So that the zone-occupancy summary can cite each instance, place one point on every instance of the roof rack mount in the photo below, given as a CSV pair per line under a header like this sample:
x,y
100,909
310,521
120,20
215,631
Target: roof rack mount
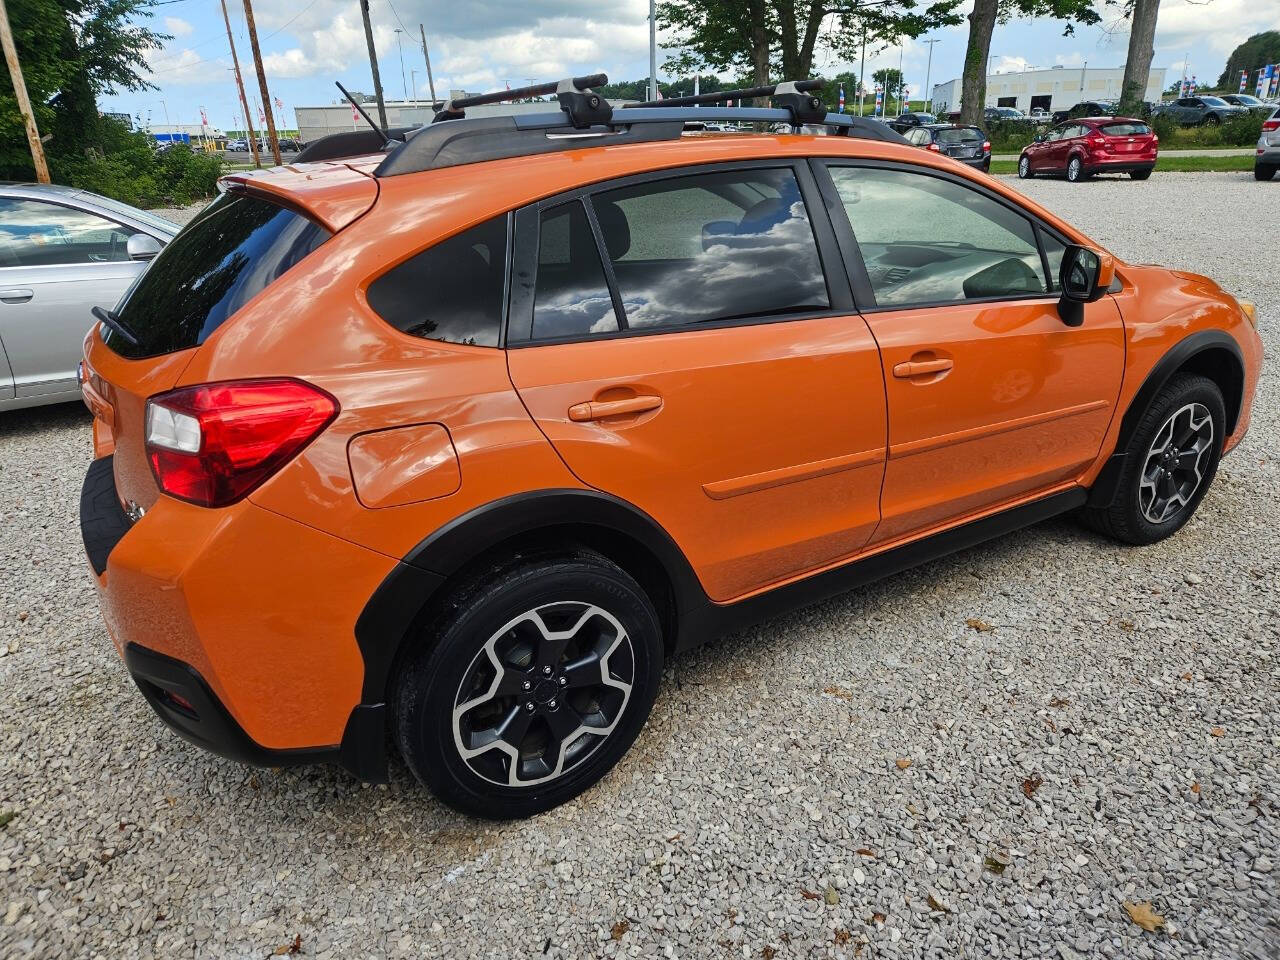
x,y
584,108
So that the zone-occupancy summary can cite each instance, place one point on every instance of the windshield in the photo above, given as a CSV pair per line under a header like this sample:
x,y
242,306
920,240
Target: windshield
x,y
227,255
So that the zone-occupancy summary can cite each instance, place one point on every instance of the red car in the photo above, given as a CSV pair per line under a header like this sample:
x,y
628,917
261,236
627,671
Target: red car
x,y
1088,145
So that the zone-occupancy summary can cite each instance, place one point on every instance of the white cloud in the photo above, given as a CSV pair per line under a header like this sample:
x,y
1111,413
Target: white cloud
x,y
177,26
184,66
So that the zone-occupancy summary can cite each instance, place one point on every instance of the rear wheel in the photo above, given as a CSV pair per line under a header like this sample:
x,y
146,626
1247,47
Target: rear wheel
x,y
1139,174
1075,170
1024,168
533,685
1262,171
1169,463
1212,120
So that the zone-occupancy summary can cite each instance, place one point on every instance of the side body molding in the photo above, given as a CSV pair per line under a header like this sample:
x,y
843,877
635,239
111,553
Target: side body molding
x,y
1104,488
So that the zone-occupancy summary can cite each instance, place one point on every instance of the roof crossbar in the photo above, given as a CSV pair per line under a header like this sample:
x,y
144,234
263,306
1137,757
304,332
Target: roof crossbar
x,y
791,95
574,93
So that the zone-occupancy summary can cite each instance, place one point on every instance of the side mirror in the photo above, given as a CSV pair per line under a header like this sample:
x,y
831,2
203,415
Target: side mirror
x,y
143,246
1083,278
1040,138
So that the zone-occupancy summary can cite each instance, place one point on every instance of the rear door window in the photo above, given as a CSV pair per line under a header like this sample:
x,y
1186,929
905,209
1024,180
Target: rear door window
x,y
226,256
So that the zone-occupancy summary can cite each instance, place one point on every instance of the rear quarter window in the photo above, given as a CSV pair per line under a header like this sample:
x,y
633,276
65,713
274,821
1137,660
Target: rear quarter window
x,y
227,255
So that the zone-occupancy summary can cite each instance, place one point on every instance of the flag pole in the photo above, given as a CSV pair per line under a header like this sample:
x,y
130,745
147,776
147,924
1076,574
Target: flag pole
x,y
653,51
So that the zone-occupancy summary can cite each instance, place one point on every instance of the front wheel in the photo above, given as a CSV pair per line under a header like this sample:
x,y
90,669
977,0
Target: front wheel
x,y
1212,120
1075,170
1169,463
1024,168
537,679
1139,174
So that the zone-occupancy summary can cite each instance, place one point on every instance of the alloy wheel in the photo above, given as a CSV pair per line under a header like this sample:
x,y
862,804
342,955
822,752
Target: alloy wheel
x,y
1073,169
543,694
1175,465
1024,168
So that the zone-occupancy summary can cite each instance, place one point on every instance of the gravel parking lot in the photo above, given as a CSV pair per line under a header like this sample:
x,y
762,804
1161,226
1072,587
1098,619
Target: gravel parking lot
x,y
988,756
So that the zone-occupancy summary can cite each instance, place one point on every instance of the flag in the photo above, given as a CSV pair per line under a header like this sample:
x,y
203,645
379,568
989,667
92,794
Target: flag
x,y
204,120
841,110
262,117
659,89
879,100
1191,90
1262,81
1244,80
279,103
355,114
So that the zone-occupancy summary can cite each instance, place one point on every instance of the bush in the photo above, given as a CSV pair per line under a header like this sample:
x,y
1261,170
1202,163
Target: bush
x,y
1164,126
1242,131
1010,137
126,167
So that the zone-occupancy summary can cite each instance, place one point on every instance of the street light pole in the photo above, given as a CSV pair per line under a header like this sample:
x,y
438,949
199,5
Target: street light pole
x,y
403,86
928,74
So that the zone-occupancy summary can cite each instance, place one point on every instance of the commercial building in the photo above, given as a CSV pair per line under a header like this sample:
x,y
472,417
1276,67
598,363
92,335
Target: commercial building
x,y
184,132
1054,88
316,122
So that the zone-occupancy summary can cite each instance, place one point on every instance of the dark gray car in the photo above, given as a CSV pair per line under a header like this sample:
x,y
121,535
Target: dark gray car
x,y
1194,111
63,251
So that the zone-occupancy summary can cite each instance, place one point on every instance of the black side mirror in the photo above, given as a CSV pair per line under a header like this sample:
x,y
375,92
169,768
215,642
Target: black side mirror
x,y
1083,278
1040,138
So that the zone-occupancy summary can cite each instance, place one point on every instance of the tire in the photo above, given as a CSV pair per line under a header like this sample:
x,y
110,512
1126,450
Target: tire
x,y
1139,174
545,619
1134,514
1024,168
1262,171
1212,120
1075,170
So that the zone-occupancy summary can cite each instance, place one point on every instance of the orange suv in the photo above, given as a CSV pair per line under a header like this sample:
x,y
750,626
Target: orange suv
x,y
450,442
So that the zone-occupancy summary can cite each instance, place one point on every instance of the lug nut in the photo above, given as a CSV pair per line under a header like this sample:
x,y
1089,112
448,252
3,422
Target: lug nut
x,y
551,704
529,706
546,671
564,681
527,685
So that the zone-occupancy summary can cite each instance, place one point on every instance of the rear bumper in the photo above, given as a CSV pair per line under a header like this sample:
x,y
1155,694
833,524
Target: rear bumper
x,y
238,626
1119,164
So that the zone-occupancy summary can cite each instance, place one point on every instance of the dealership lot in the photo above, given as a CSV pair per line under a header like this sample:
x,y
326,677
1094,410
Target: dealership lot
x,y
989,755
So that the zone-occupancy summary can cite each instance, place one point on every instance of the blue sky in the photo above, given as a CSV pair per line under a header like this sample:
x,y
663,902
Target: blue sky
x,y
483,44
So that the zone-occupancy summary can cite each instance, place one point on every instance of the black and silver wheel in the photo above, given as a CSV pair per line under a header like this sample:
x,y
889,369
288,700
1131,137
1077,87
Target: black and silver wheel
x,y
534,688
1024,168
1075,170
1170,462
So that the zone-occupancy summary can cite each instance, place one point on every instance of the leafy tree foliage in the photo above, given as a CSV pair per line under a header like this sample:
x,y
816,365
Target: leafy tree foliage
x,y
1258,51
889,78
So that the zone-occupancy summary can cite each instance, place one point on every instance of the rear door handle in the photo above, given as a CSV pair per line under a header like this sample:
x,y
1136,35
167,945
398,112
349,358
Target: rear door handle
x,y
600,409
15,296
920,368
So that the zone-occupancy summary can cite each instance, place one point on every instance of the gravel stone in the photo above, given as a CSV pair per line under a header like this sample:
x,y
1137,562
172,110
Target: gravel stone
x,y
1106,670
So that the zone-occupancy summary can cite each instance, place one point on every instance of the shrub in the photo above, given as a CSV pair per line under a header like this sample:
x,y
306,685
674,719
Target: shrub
x,y
1243,130
1009,137
1164,126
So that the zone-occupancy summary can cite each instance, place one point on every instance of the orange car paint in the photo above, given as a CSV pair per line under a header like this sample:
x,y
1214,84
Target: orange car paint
x,y
769,455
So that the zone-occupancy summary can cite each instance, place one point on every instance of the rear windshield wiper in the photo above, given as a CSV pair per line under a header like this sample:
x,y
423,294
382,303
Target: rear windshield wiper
x,y
113,321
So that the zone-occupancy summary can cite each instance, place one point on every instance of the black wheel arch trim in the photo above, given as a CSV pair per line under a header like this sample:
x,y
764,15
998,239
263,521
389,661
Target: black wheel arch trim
x,y
1104,488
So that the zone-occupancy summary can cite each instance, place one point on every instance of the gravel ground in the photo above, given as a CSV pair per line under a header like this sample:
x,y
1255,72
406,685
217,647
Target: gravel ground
x,y
872,777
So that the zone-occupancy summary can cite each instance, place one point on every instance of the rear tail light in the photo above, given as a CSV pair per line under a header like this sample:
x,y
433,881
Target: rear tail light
x,y
934,147
1270,125
986,146
1098,140
212,445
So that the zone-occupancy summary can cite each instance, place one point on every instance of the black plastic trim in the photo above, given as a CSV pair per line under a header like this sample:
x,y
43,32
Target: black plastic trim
x,y
1103,491
711,620
349,143
210,726
103,522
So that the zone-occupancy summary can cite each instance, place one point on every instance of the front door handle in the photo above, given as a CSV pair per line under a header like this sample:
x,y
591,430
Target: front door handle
x,y
15,296
600,409
920,368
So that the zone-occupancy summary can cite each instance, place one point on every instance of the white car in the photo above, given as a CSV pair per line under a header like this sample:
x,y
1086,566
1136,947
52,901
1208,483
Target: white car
x,y
1267,161
63,252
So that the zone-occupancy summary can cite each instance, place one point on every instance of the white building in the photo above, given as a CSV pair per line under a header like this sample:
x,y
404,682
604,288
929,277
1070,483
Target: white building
x,y
316,122
1055,88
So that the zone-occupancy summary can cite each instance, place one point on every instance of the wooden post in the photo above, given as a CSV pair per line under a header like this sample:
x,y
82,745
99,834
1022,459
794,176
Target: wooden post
x,y
431,81
262,82
373,63
244,101
20,93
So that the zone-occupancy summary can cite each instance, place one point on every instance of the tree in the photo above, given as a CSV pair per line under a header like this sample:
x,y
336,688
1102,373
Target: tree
x,y
72,51
768,38
1257,51
1142,47
982,24
889,78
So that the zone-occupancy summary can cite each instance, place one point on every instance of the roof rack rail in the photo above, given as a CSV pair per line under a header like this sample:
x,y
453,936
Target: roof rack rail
x,y
791,95
574,93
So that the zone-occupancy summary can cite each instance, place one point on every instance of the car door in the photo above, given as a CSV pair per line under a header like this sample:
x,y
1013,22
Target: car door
x,y
707,369
992,398
56,263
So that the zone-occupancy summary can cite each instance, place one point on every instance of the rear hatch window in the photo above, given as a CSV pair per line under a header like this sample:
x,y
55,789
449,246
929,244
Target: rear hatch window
x,y
964,136
1126,129
227,255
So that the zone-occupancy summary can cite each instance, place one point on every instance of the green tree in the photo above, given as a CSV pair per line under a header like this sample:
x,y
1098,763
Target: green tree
x,y
1258,51
889,78
982,24
72,52
779,38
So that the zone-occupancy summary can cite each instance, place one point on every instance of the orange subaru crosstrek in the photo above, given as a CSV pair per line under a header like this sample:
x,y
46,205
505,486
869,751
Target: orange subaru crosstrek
x,y
451,441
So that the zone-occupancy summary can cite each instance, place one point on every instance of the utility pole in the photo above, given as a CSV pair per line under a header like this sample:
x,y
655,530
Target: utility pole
x,y
404,86
426,56
20,94
413,75
244,101
901,48
373,63
653,51
928,75
262,82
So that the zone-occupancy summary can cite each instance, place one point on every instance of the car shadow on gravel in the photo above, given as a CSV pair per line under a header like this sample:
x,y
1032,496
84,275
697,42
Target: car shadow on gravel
x,y
39,419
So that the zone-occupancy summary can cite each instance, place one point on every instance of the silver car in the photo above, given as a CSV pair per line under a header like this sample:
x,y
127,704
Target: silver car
x,y
63,251
1267,161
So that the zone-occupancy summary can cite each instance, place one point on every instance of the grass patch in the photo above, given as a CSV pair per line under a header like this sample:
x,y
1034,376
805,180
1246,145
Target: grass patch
x,y
1165,164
